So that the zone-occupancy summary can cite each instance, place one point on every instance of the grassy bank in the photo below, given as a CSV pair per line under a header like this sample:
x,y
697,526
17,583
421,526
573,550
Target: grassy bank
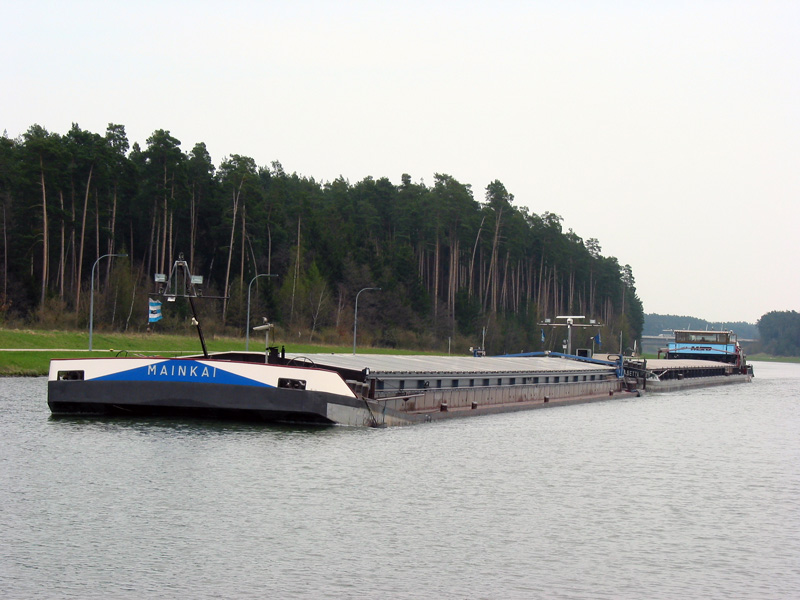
x,y
27,352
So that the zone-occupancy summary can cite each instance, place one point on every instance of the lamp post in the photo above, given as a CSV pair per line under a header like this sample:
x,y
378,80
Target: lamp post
x,y
355,316
91,297
569,335
249,288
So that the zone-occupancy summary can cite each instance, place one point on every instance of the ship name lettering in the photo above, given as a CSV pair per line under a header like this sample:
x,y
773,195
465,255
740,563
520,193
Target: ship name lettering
x,y
182,371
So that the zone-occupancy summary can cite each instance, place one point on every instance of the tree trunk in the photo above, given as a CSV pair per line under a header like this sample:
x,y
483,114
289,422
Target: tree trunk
x,y
571,298
96,229
171,246
235,199
421,261
164,235
157,246
111,228
45,249
315,314
131,242
192,226
436,278
72,249
504,295
492,278
152,255
244,239
453,278
61,257
296,274
339,306
5,257
83,238
269,250
171,260
471,288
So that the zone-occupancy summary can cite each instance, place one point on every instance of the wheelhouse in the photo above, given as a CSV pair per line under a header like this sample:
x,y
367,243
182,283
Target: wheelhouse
x,y
721,346
704,337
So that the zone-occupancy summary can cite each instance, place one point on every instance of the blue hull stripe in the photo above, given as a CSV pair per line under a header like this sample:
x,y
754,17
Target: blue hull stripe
x,y
182,370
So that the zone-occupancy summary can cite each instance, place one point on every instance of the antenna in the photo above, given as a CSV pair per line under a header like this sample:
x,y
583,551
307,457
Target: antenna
x,y
182,284
569,324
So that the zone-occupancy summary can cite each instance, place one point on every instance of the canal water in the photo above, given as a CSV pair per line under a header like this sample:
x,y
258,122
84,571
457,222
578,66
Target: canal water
x,y
687,495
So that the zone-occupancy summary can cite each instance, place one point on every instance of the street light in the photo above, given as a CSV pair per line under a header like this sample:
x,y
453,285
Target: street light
x,y
355,316
91,297
247,326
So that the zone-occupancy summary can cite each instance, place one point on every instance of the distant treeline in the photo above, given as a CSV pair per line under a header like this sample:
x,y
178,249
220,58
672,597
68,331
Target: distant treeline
x,y
448,264
780,333
655,324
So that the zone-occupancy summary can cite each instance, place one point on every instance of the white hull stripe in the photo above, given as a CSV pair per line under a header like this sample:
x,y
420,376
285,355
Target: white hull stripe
x,y
181,370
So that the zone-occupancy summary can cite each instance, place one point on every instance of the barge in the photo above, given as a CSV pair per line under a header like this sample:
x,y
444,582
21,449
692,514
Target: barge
x,y
360,390
695,358
354,390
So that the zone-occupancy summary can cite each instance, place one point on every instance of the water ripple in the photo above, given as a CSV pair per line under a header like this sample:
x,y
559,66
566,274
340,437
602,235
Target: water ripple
x,y
671,496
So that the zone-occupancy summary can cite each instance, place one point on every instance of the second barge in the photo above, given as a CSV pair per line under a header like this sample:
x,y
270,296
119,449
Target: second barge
x,y
695,358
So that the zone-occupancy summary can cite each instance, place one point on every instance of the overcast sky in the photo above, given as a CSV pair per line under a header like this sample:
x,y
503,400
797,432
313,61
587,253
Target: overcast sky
x,y
669,131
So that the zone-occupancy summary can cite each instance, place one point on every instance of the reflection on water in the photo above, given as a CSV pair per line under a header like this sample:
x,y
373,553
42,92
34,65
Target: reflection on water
x,y
683,495
185,425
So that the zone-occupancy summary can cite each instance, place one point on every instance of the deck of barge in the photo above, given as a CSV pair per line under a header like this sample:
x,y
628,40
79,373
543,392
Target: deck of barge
x,y
393,375
413,365
386,364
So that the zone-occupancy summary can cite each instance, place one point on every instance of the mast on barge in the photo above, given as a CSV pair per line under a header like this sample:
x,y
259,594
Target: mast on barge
x,y
182,284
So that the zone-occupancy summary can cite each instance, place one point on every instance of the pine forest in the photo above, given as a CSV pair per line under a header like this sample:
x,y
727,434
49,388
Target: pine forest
x,y
455,268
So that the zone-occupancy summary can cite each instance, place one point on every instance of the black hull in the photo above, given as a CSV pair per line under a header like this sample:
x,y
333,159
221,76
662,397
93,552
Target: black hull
x,y
194,400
